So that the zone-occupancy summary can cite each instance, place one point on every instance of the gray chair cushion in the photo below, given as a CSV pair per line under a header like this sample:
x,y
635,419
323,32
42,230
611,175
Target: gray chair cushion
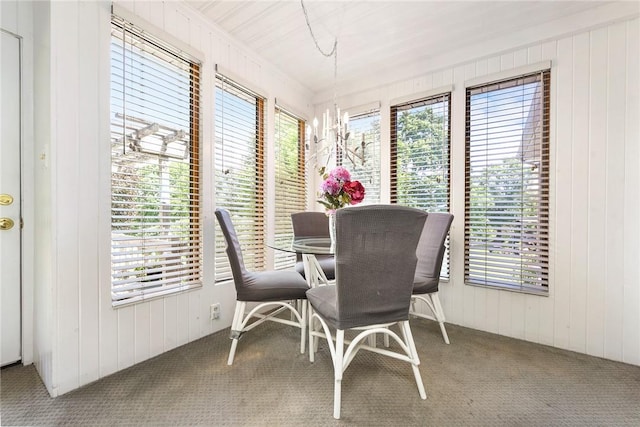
x,y
272,286
327,263
323,299
430,252
375,266
261,285
425,285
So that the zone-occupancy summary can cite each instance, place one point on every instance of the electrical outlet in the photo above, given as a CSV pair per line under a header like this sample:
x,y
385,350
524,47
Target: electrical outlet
x,y
214,312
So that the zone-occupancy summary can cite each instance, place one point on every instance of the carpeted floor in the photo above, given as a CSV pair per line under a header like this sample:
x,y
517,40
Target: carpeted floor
x,y
480,379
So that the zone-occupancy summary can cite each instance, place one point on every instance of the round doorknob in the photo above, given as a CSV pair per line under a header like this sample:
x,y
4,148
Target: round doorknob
x,y
6,199
6,223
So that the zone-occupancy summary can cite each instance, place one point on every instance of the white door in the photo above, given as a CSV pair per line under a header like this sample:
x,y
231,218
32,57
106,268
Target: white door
x,y
10,301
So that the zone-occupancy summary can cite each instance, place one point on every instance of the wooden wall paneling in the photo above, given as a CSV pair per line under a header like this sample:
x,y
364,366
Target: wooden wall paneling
x,y
580,201
534,54
195,36
142,327
614,200
198,315
631,249
175,22
423,83
126,337
182,320
596,279
482,67
170,322
563,192
531,317
156,11
143,9
507,61
447,76
520,57
156,327
437,79
10,16
494,64
65,93
89,153
547,304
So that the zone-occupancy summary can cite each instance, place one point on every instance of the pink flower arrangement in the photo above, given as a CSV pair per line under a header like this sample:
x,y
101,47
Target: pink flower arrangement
x,y
338,190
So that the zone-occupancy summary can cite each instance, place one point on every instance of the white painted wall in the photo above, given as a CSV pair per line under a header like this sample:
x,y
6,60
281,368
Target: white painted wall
x,y
593,305
81,338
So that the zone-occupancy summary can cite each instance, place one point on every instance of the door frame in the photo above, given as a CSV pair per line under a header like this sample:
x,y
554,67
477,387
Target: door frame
x,y
27,185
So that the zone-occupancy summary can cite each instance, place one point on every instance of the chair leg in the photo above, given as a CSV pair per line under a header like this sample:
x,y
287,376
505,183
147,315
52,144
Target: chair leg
x,y
337,368
236,329
303,324
415,360
439,314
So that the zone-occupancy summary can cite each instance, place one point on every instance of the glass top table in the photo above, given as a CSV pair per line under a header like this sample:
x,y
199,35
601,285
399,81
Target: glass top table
x,y
308,248
304,245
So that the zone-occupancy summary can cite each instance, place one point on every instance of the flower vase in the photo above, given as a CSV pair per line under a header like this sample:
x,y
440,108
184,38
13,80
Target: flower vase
x,y
332,229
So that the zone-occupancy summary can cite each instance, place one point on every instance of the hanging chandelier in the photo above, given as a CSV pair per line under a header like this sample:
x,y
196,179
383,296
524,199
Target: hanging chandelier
x,y
335,126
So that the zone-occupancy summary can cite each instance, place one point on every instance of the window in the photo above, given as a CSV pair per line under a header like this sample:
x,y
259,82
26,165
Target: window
x,y
156,238
507,184
364,135
420,147
239,158
290,189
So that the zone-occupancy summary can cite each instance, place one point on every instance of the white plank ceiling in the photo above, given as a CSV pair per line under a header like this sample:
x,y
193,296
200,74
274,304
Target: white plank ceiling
x,y
373,36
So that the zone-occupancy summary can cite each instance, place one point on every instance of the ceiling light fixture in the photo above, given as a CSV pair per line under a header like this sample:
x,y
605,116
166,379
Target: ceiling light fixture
x,y
335,128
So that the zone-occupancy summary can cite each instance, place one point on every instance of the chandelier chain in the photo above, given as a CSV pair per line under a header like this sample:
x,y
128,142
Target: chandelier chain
x,y
313,36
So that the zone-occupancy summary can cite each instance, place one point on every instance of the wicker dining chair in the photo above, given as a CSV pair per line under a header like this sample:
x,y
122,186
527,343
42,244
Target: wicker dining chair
x,y
375,267
270,289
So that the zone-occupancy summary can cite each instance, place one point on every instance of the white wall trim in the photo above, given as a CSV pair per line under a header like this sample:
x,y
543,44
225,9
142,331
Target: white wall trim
x,y
242,82
509,74
157,32
422,95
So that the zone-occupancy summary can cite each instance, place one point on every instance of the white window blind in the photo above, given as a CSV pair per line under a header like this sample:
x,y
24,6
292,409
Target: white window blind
x,y
156,238
364,134
507,184
239,169
290,189
420,152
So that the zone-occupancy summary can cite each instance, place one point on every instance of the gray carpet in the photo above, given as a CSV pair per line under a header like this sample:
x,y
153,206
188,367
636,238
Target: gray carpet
x,y
480,379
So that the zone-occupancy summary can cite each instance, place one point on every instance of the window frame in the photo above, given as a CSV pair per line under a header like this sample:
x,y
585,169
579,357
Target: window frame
x,y
539,247
444,95
254,246
363,170
297,201
128,285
